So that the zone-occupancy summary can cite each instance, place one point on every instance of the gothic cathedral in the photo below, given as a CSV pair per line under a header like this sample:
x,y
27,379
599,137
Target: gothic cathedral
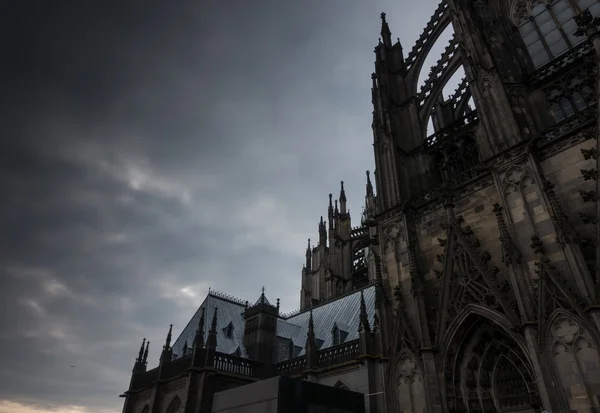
x,y
472,283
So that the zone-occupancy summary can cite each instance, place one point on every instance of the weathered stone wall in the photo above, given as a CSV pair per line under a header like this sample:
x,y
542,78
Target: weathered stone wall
x,y
564,170
141,401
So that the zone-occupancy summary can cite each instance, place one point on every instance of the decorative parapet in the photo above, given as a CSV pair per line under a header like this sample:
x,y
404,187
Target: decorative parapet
x,y
227,297
581,120
339,354
359,232
226,363
328,357
246,368
285,316
458,127
560,64
290,366
237,365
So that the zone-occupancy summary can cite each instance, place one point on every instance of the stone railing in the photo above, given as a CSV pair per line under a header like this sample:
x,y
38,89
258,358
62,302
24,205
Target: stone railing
x,y
290,366
359,232
457,127
227,297
564,62
580,120
325,358
237,365
339,354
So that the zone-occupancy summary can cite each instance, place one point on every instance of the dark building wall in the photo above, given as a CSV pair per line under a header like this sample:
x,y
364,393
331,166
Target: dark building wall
x,y
281,394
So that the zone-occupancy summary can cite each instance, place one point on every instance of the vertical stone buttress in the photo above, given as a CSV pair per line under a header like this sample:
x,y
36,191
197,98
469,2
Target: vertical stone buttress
x,y
475,29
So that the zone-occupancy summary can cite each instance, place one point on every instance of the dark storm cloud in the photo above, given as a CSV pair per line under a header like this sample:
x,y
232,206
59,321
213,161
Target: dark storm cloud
x,y
152,150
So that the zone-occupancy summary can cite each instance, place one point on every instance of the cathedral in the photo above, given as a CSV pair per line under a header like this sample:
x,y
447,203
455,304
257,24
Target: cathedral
x,y
471,283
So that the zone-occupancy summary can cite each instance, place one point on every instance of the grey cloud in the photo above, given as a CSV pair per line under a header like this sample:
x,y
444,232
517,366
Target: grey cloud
x,y
155,150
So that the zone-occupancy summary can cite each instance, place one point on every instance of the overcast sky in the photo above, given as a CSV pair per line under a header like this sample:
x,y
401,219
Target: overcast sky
x,y
153,149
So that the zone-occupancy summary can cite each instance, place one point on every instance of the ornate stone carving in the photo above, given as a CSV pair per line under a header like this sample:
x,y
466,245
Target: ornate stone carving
x,y
469,278
551,291
565,232
510,251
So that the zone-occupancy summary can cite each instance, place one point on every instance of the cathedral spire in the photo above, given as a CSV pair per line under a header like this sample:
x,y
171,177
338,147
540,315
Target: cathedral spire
x,y
330,212
311,326
145,358
213,324
185,348
141,353
308,264
322,233
311,344
211,341
342,198
168,341
167,352
199,338
363,317
386,34
262,295
369,185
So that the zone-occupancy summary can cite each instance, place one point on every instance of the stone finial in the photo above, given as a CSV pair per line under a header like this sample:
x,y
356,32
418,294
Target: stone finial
x,y
168,340
363,317
145,359
141,353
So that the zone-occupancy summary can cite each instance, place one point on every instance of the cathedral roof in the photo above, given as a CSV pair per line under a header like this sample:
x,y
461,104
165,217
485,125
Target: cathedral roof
x,y
342,312
230,310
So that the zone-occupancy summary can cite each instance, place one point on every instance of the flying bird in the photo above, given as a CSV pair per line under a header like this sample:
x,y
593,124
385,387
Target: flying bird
x,y
73,366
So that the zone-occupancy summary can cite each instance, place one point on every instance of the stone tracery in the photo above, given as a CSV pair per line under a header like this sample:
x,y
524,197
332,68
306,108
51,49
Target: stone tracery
x,y
410,390
577,362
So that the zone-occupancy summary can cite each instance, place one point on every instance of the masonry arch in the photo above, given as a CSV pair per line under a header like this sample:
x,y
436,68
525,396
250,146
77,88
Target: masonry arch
x,y
174,405
416,58
486,367
572,349
438,86
408,386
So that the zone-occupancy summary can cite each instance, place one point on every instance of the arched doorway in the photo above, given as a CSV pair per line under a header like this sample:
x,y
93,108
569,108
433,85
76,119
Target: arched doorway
x,y
486,371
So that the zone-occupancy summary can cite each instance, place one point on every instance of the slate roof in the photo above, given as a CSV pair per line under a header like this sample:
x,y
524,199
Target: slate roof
x,y
228,311
343,312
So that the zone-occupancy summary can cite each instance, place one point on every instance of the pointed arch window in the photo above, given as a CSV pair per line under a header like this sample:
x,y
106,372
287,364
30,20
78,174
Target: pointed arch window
x,y
547,27
174,406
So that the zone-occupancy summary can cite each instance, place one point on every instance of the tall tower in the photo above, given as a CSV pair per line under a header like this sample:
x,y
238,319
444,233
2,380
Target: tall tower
x,y
487,228
260,330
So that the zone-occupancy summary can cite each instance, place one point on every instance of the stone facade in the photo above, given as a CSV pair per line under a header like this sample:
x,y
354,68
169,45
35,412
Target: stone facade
x,y
490,244
480,245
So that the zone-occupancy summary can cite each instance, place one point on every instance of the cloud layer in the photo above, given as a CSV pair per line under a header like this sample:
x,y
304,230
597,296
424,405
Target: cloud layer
x,y
154,150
